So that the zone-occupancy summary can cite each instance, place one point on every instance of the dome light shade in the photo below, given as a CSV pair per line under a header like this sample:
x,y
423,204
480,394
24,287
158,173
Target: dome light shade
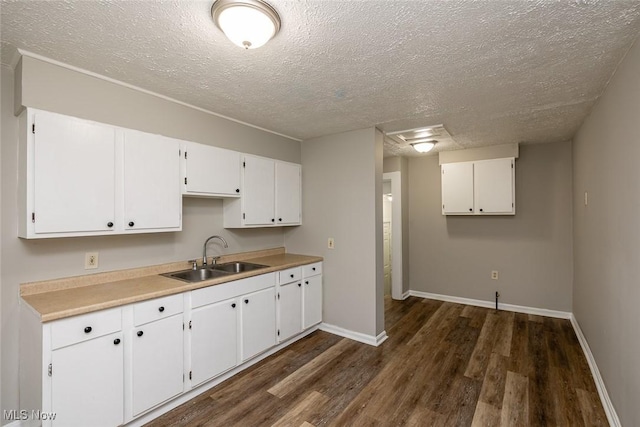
x,y
423,147
247,23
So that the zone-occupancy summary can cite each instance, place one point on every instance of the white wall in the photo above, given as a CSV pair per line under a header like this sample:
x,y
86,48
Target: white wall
x,y
60,90
606,290
342,199
401,164
454,255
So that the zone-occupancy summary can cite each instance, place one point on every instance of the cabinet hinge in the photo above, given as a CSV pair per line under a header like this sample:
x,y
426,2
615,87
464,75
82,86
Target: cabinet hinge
x,y
33,128
179,153
33,217
278,295
182,377
189,324
442,206
185,180
278,332
512,205
183,326
511,165
442,171
50,369
244,164
190,374
243,216
185,154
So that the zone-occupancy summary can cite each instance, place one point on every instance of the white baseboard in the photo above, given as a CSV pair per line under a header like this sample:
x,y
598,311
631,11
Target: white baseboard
x,y
491,304
406,295
356,336
612,416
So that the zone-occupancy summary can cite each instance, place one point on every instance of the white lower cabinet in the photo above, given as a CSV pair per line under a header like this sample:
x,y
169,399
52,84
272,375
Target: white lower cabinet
x,y
111,367
157,363
87,383
214,340
258,322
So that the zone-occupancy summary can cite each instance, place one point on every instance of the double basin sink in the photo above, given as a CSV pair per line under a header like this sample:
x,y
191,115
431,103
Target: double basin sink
x,y
213,271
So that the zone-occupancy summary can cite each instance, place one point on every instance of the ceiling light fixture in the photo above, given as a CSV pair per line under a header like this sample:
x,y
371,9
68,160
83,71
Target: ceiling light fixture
x,y
424,147
247,23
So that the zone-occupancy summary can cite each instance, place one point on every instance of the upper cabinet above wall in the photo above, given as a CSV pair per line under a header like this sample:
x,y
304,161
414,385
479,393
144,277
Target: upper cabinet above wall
x,y
81,178
484,187
271,195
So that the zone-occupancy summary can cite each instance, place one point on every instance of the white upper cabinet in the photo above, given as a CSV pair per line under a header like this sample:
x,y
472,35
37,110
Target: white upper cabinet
x,y
152,197
484,187
258,191
288,188
72,175
457,188
211,171
270,195
81,178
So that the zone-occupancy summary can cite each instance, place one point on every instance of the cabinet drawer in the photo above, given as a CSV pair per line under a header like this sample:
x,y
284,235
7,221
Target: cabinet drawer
x,y
85,327
312,269
217,293
155,309
289,275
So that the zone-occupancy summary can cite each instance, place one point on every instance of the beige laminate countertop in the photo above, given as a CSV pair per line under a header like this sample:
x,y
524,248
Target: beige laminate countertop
x,y
62,298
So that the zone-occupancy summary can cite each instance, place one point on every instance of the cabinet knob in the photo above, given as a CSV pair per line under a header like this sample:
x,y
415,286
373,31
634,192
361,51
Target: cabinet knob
x,y
306,282
313,268
160,309
233,305
237,190
470,209
291,276
116,341
109,224
280,219
299,284
246,301
131,223
87,329
140,333
481,210
273,220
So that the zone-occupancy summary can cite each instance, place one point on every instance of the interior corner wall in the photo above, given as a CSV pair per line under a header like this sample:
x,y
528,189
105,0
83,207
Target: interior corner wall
x,y
379,247
401,164
339,184
61,90
532,250
606,289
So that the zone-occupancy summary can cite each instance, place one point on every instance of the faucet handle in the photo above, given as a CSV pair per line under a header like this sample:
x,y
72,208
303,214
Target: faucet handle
x,y
194,264
214,260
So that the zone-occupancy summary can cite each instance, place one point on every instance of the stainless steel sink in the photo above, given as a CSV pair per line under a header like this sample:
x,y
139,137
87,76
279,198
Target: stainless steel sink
x,y
198,275
237,267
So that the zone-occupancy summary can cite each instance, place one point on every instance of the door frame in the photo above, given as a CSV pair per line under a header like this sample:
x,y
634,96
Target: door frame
x,y
396,232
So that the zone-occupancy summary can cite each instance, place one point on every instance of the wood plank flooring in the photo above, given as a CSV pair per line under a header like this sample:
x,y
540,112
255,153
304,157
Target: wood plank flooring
x,y
443,364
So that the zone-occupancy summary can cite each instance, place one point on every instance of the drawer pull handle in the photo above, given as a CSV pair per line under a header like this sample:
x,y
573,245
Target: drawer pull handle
x,y
233,305
87,329
237,190
299,284
306,282
246,301
131,223
280,219
140,333
292,276
161,309
313,268
116,341
109,224
481,210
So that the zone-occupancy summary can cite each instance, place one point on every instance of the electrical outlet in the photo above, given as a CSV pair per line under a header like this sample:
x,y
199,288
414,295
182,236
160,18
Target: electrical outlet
x,y
90,260
494,275
330,243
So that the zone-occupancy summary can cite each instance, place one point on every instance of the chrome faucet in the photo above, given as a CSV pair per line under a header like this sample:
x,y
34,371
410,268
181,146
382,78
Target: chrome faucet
x,y
204,248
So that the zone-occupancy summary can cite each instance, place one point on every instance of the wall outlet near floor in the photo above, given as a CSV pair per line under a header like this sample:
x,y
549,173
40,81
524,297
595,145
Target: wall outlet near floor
x,y
494,275
90,260
330,243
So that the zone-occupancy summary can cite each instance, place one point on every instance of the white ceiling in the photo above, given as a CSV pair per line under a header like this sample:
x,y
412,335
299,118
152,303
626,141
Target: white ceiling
x,y
492,72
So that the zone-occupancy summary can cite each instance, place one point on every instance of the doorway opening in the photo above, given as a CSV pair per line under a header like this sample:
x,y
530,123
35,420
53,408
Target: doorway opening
x,y
392,233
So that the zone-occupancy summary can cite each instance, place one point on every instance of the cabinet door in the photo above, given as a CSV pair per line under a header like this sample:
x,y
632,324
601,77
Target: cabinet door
x,y
312,300
87,383
214,340
74,175
157,363
258,322
212,171
457,188
288,187
152,197
258,191
494,189
289,310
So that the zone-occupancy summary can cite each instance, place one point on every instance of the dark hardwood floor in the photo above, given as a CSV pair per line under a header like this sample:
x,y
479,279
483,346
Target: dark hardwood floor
x,y
443,364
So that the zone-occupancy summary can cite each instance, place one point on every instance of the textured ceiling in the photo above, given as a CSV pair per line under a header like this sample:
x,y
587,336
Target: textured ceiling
x,y
492,72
